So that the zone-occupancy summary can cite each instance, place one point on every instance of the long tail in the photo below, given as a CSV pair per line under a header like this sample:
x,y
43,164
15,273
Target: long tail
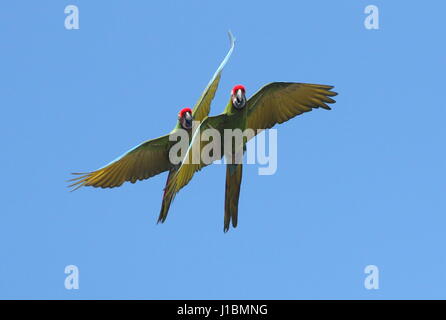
x,y
167,198
232,193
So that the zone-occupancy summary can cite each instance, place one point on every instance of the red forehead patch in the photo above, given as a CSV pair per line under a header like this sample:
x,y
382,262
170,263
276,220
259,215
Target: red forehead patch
x,y
183,111
238,87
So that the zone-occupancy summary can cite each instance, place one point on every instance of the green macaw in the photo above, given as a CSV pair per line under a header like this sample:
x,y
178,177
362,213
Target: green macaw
x,y
274,103
152,157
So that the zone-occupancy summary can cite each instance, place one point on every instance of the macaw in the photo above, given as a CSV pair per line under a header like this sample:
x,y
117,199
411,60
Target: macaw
x,y
274,103
152,156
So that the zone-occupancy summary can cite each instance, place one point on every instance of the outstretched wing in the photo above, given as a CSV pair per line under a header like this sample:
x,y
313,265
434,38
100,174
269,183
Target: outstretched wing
x,y
193,160
142,162
278,102
203,106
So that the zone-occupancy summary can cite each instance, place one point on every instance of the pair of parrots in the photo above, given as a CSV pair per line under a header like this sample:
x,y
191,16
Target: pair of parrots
x,y
274,103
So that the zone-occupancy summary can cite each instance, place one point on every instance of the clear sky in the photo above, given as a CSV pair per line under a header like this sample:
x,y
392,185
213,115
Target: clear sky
x,y
363,184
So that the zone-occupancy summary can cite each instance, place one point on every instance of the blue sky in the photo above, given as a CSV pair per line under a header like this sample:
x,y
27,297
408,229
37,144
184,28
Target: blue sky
x,y
359,185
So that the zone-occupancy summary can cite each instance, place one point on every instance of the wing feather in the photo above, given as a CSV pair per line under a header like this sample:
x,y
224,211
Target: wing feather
x,y
144,161
203,106
278,102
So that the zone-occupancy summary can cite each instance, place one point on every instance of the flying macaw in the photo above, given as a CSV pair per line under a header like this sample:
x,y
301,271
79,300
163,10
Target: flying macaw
x,y
274,103
152,157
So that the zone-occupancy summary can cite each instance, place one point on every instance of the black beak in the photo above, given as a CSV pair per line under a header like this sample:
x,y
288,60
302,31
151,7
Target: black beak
x,y
188,120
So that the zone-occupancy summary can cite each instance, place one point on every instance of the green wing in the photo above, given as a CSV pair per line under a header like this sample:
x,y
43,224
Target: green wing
x,y
142,162
203,106
278,102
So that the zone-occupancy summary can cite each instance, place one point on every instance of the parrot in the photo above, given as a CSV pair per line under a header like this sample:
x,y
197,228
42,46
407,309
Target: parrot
x,y
152,156
274,103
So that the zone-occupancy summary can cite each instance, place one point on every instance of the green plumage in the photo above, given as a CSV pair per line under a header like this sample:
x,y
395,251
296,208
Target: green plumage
x,y
274,103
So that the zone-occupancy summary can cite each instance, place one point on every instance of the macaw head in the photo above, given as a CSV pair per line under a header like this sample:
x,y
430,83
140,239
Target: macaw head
x,y
238,97
185,118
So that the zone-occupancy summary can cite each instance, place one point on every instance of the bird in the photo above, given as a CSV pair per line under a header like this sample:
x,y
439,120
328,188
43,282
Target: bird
x,y
152,156
272,104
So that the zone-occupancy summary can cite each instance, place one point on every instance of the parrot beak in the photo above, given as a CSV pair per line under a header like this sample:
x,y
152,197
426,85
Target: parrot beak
x,y
187,121
239,95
